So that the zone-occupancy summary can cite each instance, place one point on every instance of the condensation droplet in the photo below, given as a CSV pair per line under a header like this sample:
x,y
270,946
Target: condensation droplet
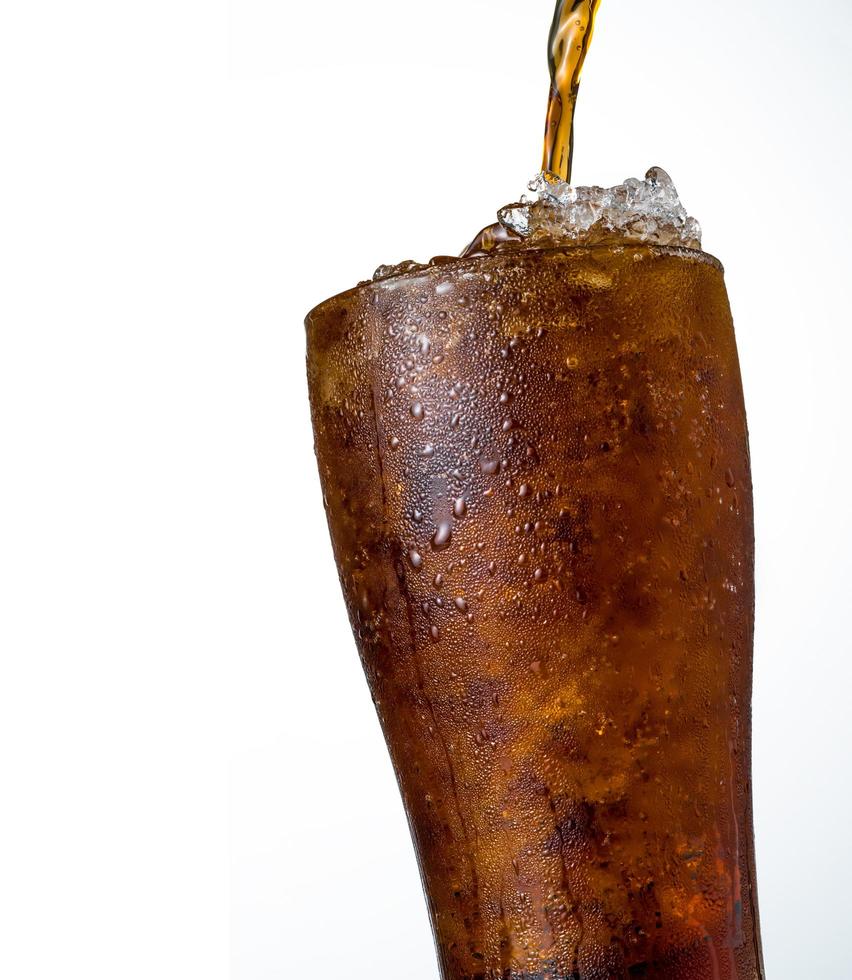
x,y
418,411
459,507
443,535
415,558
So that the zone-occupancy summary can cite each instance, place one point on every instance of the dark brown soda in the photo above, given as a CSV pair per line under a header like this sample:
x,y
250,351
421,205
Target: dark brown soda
x,y
536,474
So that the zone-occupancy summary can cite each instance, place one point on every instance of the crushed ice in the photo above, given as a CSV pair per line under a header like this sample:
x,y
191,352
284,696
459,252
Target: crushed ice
x,y
636,212
400,268
646,210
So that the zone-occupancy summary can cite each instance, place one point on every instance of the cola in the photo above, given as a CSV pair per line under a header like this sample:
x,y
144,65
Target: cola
x,y
535,468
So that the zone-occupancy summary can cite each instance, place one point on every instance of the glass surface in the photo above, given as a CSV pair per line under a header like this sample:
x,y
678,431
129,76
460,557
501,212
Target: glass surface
x,y
536,472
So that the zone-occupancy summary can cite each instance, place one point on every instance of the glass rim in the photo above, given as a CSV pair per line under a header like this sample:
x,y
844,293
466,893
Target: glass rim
x,y
453,262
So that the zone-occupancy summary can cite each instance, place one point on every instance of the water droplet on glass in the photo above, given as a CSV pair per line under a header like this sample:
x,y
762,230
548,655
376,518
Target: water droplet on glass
x,y
459,507
461,604
418,411
442,536
415,558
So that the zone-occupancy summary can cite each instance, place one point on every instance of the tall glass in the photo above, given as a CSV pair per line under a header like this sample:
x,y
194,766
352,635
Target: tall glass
x,y
536,473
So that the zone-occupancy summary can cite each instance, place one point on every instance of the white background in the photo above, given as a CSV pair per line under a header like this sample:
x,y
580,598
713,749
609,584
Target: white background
x,y
192,780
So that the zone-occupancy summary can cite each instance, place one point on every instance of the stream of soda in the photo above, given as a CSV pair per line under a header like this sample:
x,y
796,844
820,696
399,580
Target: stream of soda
x,y
567,45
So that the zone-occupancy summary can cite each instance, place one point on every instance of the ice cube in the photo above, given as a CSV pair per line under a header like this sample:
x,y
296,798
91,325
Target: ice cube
x,y
636,211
